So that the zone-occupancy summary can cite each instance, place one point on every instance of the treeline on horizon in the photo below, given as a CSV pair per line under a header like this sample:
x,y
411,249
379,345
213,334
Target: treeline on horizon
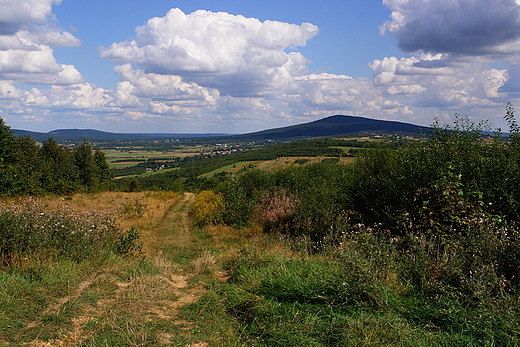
x,y
26,168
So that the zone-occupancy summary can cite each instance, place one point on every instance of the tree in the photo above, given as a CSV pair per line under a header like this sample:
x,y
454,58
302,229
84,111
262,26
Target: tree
x,y
6,139
102,168
84,161
59,175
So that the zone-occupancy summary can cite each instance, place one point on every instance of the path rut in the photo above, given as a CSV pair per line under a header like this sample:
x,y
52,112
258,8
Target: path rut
x,y
149,294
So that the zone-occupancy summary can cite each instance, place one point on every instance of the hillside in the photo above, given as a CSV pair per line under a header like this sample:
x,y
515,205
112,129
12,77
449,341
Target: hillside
x,y
333,126
337,126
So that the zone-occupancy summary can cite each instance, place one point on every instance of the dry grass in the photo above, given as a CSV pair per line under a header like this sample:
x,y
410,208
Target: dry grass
x,y
144,211
284,162
144,302
129,302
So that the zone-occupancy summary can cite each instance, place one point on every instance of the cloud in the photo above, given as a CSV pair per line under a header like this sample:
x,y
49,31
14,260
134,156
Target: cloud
x,y
433,81
325,94
163,87
48,35
15,14
26,37
79,96
36,66
237,55
465,27
9,91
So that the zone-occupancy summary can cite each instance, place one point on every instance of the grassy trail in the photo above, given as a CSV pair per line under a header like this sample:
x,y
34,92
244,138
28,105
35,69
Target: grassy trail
x,y
133,303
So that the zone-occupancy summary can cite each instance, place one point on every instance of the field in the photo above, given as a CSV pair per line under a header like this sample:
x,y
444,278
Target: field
x,y
129,156
219,286
228,168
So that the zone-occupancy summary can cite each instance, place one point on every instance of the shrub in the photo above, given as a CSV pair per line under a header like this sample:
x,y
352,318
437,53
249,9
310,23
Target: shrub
x,y
276,211
208,207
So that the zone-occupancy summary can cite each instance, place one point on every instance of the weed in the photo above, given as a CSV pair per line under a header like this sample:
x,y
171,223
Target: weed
x,y
134,208
30,229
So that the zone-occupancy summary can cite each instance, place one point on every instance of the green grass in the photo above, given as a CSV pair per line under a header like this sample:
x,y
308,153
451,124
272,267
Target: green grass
x,y
348,297
225,168
151,173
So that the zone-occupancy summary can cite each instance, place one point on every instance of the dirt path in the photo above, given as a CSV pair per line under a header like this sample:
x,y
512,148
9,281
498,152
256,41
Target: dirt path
x,y
135,304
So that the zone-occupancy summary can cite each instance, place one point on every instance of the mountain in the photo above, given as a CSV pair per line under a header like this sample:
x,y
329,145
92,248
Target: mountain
x,y
337,126
332,126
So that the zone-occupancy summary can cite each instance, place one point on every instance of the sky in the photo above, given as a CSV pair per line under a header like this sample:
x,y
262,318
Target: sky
x,y
235,66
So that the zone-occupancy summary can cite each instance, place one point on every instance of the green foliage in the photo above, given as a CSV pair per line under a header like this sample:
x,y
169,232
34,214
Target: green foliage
x,y
133,185
239,202
383,182
127,243
425,231
84,161
59,174
28,169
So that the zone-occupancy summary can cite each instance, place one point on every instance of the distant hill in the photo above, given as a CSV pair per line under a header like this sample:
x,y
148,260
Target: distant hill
x,y
77,135
337,126
333,126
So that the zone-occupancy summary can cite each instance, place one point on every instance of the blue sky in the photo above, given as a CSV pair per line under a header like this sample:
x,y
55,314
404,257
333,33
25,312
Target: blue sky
x,y
237,66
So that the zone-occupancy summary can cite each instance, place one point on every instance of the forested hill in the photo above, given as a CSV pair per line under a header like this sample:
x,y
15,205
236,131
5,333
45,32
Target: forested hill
x,y
327,127
337,126
77,135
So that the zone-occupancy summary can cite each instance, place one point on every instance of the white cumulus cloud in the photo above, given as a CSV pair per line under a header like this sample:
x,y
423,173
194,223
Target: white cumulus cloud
x,y
26,38
237,55
434,81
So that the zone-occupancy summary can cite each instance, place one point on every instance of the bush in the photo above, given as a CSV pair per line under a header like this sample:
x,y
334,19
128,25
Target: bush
x,y
276,211
208,207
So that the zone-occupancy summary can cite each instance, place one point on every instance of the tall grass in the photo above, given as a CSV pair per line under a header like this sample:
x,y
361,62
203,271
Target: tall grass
x,y
368,291
30,229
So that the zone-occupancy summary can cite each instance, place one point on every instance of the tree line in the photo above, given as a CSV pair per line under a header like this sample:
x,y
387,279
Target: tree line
x,y
27,167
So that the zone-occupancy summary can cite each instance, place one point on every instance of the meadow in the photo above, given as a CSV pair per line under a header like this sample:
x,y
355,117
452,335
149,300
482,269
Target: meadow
x,y
412,243
125,157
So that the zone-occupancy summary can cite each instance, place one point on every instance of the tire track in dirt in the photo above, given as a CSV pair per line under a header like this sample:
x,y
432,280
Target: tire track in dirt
x,y
146,297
